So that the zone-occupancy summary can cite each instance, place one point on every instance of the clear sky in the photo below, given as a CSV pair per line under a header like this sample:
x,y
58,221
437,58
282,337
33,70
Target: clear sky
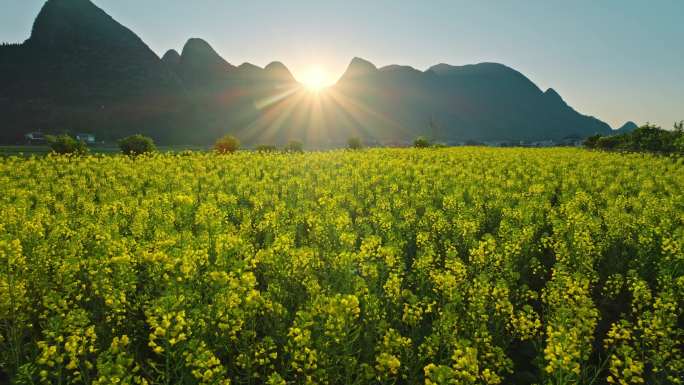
x,y
618,60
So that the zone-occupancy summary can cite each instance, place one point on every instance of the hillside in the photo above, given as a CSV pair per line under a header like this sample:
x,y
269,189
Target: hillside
x,y
486,101
625,128
82,71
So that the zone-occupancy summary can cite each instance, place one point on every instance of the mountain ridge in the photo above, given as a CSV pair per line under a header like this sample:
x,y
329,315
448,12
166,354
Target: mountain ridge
x,y
83,70
626,128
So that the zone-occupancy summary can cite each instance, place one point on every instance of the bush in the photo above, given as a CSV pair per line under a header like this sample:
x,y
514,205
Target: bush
x,y
421,142
647,138
591,141
354,144
294,146
611,142
679,144
65,144
265,148
137,145
679,137
652,138
227,144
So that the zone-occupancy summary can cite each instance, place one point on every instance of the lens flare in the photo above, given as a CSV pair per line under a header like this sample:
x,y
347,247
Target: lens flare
x,y
315,79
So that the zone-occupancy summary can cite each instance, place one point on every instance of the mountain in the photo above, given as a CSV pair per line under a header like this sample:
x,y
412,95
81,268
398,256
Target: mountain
x,y
486,102
172,59
277,71
201,66
358,68
82,71
626,128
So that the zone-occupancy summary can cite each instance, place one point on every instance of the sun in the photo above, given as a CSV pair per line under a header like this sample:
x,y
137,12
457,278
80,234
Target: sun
x,y
315,79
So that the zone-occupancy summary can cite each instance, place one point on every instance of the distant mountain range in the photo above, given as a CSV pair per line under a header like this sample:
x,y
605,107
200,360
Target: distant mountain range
x,y
82,71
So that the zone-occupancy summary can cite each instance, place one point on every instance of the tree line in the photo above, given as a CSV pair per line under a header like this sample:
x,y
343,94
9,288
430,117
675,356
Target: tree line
x,y
647,138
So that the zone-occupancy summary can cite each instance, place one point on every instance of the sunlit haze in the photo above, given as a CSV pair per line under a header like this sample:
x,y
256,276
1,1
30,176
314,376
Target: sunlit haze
x,y
315,78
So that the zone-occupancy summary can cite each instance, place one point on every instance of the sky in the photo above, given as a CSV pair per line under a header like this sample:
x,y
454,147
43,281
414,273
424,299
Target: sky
x,y
618,60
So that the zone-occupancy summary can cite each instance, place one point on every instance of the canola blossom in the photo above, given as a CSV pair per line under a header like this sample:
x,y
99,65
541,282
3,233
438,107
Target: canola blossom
x,y
381,266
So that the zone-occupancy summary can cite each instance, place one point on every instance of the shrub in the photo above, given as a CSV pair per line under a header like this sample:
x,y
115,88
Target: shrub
x,y
421,142
265,148
591,141
137,145
679,137
647,138
65,144
227,144
611,142
354,144
294,146
679,144
652,138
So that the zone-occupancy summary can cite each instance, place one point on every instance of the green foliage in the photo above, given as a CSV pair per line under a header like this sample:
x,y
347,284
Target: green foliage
x,y
354,143
651,138
227,144
65,144
679,140
421,142
294,146
266,148
613,142
137,145
647,138
592,141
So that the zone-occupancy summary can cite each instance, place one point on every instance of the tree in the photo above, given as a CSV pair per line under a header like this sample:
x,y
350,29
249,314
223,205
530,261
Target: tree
x,y
678,142
650,138
354,143
647,138
227,144
65,144
137,145
266,148
591,141
294,146
679,127
613,142
421,142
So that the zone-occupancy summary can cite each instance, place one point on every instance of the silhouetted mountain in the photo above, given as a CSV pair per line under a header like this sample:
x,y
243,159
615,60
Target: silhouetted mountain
x,y
486,101
82,71
201,66
359,68
277,71
172,59
226,97
626,128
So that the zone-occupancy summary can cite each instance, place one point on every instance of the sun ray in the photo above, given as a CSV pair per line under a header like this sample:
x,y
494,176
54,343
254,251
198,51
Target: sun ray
x,y
316,79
